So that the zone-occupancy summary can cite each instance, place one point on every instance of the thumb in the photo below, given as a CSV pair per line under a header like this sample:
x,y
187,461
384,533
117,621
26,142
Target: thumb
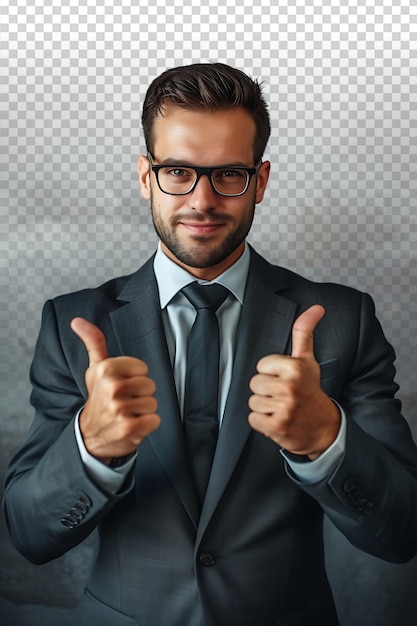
x,y
92,338
302,331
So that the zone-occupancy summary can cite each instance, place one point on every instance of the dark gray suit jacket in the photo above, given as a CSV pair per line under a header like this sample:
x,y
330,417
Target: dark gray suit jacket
x,y
255,556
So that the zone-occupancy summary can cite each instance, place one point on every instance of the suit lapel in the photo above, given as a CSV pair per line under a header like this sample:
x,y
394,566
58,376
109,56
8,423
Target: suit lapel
x,y
140,333
264,328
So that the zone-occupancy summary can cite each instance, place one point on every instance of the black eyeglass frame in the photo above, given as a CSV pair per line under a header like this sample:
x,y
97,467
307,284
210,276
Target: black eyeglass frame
x,y
205,171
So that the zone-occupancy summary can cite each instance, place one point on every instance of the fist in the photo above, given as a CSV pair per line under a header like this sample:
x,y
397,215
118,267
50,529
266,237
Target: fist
x,y
288,404
121,408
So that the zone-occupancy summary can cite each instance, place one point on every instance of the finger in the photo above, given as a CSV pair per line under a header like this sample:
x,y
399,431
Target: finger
x,y
137,407
273,365
138,427
303,329
260,422
136,386
264,405
92,338
128,367
273,384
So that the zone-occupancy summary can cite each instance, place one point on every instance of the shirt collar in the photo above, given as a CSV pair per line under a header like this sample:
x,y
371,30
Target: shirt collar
x,y
171,278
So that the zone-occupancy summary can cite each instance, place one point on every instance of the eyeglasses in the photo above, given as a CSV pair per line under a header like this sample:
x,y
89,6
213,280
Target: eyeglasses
x,y
178,180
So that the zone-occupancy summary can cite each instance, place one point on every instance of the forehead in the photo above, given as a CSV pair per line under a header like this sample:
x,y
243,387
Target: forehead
x,y
224,136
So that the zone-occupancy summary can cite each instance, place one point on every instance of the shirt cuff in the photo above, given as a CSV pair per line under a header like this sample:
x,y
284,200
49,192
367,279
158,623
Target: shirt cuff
x,y
107,478
324,466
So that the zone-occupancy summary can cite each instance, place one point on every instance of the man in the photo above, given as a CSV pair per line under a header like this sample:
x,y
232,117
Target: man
x,y
109,446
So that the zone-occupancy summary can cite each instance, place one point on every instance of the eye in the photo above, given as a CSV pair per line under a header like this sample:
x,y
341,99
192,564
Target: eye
x,y
231,173
177,172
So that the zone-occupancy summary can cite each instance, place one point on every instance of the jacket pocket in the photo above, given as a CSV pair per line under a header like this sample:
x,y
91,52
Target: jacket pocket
x,y
90,611
329,368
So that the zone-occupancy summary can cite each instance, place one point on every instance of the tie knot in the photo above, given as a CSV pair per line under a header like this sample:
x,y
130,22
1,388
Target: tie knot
x,y
205,296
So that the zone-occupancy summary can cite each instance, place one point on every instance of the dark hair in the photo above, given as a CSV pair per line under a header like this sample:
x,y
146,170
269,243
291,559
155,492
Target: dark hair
x,y
208,86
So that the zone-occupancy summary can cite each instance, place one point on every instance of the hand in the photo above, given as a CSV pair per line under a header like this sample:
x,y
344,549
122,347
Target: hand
x,y
120,409
288,404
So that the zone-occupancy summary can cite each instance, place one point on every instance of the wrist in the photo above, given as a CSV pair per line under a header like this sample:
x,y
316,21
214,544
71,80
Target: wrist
x,y
330,430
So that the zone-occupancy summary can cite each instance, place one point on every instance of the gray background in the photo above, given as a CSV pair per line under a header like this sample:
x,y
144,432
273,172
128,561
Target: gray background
x,y
341,206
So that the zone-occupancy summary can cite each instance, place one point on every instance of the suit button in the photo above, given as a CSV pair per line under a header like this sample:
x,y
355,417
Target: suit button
x,y
81,506
76,514
85,500
74,520
361,505
355,497
207,559
369,507
66,521
349,485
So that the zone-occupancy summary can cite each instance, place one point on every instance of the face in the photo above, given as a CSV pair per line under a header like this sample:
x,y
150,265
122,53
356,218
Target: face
x,y
203,231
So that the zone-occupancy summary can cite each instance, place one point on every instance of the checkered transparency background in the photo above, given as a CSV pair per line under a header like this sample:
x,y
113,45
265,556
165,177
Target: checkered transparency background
x,y
341,81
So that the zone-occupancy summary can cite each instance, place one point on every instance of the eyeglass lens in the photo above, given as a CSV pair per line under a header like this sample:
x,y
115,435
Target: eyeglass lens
x,y
180,180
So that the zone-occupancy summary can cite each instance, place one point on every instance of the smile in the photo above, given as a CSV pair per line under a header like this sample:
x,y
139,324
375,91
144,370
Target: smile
x,y
202,228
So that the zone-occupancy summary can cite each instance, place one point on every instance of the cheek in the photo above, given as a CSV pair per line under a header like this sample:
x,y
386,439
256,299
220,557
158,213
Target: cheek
x,y
165,206
246,210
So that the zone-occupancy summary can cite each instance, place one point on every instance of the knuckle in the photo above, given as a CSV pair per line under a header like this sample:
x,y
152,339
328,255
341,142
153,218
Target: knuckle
x,y
125,430
105,369
118,390
284,422
297,369
274,387
292,392
114,406
141,406
288,408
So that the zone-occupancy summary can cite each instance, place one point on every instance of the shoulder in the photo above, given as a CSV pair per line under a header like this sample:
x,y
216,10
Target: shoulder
x,y
301,289
95,304
110,292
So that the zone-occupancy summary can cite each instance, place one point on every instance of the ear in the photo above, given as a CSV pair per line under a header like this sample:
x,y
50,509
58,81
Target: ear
x,y
262,181
144,176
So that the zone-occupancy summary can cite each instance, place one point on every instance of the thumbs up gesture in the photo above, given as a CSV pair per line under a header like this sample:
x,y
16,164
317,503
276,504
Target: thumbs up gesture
x,y
121,409
288,404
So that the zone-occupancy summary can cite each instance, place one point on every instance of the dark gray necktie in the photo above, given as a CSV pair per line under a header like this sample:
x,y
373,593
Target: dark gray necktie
x,y
201,423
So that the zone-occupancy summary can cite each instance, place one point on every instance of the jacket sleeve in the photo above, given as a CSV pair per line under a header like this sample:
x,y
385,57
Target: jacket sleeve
x,y
372,495
50,503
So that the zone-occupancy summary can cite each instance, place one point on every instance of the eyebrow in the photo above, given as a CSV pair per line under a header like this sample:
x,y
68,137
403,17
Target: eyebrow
x,y
179,162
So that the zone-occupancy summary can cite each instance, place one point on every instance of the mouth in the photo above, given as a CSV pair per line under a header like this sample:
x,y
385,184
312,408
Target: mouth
x,y
202,228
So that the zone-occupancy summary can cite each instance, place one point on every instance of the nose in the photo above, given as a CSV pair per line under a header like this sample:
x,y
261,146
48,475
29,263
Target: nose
x,y
203,198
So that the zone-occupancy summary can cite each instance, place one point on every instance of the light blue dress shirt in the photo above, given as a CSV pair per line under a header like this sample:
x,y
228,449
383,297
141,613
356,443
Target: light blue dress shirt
x,y
178,316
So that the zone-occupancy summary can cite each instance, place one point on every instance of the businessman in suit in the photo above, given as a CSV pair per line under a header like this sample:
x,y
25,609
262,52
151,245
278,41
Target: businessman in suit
x,y
307,417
